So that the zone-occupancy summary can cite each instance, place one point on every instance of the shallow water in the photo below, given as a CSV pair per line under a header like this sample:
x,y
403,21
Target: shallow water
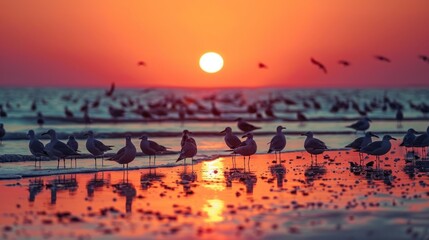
x,y
272,201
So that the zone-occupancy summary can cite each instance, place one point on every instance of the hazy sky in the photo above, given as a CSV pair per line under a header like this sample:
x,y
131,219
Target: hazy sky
x,y
94,43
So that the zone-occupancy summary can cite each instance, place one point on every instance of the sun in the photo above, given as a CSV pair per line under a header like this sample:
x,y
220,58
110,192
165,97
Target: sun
x,y
211,62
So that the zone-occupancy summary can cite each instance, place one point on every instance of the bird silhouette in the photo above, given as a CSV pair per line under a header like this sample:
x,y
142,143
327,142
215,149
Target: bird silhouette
x,y
319,64
382,58
141,63
262,66
424,58
109,93
344,63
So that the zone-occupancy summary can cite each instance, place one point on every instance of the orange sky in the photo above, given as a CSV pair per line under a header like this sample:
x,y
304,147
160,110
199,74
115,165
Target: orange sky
x,y
94,43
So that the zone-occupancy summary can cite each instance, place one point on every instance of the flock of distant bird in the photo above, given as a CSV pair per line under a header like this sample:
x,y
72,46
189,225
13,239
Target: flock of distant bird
x,y
346,63
364,145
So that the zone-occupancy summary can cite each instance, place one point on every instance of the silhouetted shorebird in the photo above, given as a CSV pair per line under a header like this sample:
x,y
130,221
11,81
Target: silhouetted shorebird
x,y
313,145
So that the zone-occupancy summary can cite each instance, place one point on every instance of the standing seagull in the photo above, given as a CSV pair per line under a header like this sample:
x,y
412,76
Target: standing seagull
x,y
278,142
232,141
313,145
245,126
72,143
361,125
56,148
378,148
409,138
151,148
36,147
422,141
2,132
95,147
189,150
361,142
319,64
247,149
126,154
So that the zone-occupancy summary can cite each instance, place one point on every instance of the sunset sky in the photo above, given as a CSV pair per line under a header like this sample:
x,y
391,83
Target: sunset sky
x,y
94,43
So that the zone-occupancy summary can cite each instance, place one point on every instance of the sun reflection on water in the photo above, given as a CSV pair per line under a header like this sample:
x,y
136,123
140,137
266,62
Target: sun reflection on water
x,y
212,172
214,208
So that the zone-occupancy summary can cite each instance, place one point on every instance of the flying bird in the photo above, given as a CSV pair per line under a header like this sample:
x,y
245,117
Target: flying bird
x,y
382,58
262,65
424,58
319,64
141,63
344,63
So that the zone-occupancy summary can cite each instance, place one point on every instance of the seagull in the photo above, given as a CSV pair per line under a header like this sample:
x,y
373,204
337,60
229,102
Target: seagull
x,y
247,148
40,119
361,142
232,141
408,140
109,93
245,126
126,154
56,148
422,141
278,142
313,145
399,117
36,147
344,63
68,113
116,112
378,148
151,148
319,64
361,125
262,66
2,132
424,58
72,143
189,150
382,58
96,147
185,136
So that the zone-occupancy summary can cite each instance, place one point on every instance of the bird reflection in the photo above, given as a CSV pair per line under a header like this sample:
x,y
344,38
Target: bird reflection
x,y
146,179
126,189
278,171
35,187
314,172
97,182
248,178
62,183
380,174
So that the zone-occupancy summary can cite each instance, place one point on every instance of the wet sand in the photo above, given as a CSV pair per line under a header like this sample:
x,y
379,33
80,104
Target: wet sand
x,y
272,201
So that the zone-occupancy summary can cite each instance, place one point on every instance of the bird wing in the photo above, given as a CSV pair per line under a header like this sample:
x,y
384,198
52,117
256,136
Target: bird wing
x,y
119,154
356,143
276,141
233,142
38,147
99,145
156,146
64,148
316,144
371,147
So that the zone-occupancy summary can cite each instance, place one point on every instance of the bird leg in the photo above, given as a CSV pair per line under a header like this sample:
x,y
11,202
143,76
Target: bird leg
x,y
95,161
58,165
192,164
280,156
244,159
248,164
149,161
154,161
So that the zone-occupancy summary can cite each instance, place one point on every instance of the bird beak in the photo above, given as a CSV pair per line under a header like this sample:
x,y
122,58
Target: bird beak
x,y
303,134
85,135
393,138
245,135
223,131
372,134
44,133
283,127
